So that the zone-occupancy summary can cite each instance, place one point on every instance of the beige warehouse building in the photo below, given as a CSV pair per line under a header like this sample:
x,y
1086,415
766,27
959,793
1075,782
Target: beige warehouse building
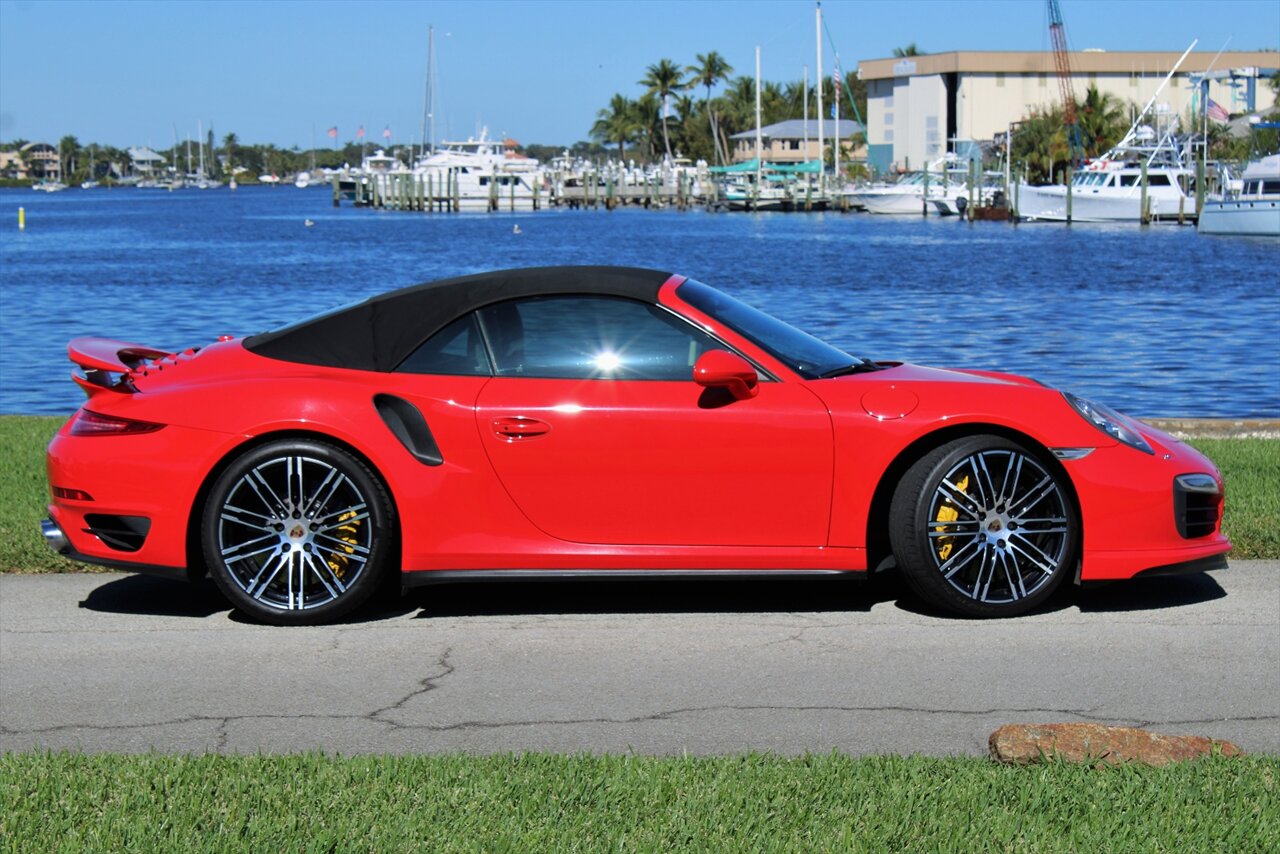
x,y
919,107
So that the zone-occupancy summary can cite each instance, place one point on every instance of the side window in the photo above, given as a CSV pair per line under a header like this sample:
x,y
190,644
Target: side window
x,y
591,337
457,349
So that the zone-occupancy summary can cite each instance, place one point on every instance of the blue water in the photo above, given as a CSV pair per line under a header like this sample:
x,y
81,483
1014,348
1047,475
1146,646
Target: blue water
x,y
1157,321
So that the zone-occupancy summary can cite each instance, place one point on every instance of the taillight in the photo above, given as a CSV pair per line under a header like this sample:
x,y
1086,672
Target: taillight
x,y
90,423
71,494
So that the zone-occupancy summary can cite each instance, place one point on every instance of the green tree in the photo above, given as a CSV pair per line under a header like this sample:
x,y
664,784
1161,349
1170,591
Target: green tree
x,y
712,68
1102,120
736,109
229,144
1040,144
663,79
616,124
68,157
909,50
650,125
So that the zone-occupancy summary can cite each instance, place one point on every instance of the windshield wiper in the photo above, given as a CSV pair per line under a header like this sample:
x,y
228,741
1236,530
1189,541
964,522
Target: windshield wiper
x,y
861,367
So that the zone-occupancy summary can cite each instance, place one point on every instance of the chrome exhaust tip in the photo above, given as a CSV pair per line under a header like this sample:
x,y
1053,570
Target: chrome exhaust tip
x,y
54,537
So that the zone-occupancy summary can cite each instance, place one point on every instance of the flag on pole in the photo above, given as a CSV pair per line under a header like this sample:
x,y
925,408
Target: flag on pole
x,y
386,132
835,83
360,133
1216,111
333,132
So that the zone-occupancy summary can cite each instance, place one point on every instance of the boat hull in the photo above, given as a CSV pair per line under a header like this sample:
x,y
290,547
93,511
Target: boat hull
x,y
1254,217
1050,203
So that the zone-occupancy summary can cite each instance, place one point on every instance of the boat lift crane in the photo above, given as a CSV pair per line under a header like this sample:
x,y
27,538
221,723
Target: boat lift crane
x,y
1058,35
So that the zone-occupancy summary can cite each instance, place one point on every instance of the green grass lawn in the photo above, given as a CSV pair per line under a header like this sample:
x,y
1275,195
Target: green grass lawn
x,y
539,802
1251,467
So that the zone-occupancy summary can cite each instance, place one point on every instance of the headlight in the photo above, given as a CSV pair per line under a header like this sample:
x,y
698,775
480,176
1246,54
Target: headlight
x,y
1109,421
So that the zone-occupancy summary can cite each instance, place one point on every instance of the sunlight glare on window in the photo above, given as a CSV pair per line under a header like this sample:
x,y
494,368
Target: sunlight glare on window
x,y
607,362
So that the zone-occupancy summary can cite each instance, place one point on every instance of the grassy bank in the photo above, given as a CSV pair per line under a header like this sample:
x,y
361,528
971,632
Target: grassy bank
x,y
1251,467
542,802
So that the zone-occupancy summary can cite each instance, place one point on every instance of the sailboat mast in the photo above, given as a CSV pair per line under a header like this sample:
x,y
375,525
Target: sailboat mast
x,y
805,97
200,144
822,154
759,141
428,117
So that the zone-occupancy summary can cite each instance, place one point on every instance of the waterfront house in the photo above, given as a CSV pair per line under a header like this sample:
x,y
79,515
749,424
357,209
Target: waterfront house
x,y
784,142
145,161
920,107
40,162
12,165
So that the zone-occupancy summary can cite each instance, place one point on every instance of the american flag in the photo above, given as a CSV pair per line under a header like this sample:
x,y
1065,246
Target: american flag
x,y
333,132
835,83
1216,111
386,132
360,133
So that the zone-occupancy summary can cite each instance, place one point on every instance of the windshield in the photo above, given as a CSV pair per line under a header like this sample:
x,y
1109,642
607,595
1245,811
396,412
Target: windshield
x,y
798,350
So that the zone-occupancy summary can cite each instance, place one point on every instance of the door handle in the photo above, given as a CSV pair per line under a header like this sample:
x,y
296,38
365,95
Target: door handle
x,y
518,427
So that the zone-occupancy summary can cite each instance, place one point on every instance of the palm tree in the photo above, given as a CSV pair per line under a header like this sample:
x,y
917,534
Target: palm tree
x,y
710,70
645,115
662,79
616,124
1041,143
909,50
229,143
68,151
736,109
1102,121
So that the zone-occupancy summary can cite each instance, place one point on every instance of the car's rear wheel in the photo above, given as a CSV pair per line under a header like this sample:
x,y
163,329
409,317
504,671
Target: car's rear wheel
x,y
297,532
984,527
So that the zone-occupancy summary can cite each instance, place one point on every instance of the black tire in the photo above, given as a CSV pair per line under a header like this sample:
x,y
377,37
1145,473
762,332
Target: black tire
x,y
984,527
297,532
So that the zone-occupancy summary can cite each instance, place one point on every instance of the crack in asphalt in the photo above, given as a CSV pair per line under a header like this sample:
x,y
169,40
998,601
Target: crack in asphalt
x,y
224,722
424,685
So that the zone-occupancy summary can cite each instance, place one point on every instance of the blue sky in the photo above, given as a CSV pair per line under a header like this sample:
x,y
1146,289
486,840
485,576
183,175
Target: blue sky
x,y
129,73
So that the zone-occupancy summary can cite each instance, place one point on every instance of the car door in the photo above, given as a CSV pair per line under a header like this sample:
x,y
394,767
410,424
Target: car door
x,y
599,434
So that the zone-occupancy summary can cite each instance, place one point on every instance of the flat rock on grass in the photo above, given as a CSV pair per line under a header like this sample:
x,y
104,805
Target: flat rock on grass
x,y
1022,744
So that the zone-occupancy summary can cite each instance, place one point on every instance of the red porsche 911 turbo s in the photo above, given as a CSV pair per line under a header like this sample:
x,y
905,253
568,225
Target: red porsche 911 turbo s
x,y
572,422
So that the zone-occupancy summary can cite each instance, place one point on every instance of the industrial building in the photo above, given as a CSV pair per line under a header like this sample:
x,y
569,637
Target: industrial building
x,y
919,107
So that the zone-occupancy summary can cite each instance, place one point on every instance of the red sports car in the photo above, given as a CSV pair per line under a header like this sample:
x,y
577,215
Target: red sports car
x,y
601,421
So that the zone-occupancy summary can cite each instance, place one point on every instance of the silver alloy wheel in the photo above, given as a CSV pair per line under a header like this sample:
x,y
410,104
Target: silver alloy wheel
x,y
294,532
999,527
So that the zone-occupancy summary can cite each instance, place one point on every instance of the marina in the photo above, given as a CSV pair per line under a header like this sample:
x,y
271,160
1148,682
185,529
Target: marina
x,y
1156,321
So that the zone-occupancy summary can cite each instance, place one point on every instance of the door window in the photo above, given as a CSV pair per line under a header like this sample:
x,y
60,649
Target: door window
x,y
591,337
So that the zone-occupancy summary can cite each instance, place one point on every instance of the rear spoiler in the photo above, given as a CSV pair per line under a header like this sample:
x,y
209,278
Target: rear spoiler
x,y
107,364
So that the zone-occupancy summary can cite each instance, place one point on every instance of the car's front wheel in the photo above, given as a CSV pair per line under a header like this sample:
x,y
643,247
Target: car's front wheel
x,y
984,527
297,532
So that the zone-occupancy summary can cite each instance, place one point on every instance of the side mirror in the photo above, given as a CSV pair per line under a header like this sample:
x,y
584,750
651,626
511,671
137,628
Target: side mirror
x,y
729,371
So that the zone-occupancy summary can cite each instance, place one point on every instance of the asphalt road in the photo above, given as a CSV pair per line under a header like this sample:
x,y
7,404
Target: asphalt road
x,y
127,663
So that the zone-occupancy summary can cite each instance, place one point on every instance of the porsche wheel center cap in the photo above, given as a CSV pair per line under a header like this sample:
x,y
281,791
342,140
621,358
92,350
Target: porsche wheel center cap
x,y
995,527
298,532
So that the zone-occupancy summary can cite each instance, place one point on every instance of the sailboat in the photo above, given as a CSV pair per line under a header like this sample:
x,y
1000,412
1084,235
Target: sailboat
x,y
89,184
750,188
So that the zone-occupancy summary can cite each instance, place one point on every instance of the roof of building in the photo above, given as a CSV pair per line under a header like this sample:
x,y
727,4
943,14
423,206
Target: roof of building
x,y
1041,62
144,155
381,332
795,129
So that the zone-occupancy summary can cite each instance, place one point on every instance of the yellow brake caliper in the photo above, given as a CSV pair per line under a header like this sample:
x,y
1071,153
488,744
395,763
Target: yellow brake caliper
x,y
338,560
948,513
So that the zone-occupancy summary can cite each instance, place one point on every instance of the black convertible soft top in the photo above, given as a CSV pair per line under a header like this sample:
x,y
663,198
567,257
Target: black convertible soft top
x,y
379,333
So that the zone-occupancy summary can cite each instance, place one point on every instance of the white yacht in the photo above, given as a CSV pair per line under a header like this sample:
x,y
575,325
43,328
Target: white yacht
x,y
947,181
1109,189
1254,209
483,174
